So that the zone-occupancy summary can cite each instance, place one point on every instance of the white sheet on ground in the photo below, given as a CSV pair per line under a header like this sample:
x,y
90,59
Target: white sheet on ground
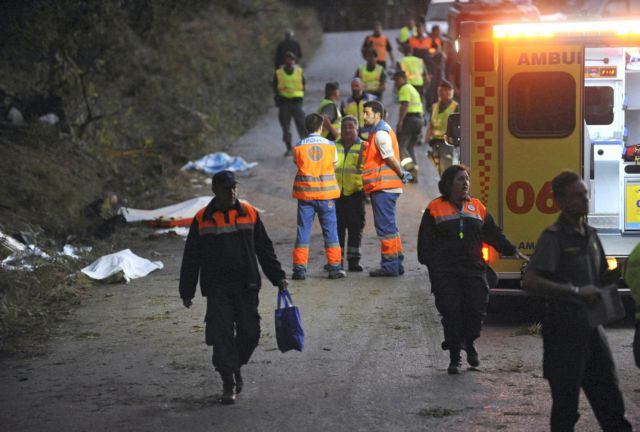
x,y
184,210
124,261
216,162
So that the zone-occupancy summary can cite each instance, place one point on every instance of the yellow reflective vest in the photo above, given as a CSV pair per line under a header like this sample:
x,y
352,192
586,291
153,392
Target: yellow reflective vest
x,y
337,123
408,93
290,85
370,79
349,167
439,119
414,68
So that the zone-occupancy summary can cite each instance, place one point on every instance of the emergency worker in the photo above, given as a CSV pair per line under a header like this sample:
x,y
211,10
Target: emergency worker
x,y
406,32
330,111
382,179
316,187
410,122
421,44
350,210
414,68
225,243
354,105
288,85
372,75
632,277
440,112
380,44
450,238
567,268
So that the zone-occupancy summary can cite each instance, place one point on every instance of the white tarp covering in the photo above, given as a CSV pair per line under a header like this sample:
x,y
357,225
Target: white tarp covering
x,y
216,162
173,215
125,261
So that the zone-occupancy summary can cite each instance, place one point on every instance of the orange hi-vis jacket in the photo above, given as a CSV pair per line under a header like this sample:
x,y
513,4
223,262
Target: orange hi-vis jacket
x,y
316,178
376,174
379,43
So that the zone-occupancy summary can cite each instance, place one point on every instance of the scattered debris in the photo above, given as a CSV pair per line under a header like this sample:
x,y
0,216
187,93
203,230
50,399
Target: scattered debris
x,y
121,265
73,251
181,231
50,119
534,329
216,162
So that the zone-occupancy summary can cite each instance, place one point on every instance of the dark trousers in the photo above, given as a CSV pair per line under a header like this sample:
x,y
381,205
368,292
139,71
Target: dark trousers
x,y
462,302
350,212
576,356
636,344
408,138
289,109
233,327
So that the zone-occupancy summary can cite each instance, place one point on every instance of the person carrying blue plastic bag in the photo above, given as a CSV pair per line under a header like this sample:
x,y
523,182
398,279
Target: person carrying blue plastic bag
x,y
225,243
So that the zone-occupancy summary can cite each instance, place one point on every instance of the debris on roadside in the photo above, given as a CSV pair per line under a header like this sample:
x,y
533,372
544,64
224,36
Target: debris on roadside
x,y
175,215
123,265
216,162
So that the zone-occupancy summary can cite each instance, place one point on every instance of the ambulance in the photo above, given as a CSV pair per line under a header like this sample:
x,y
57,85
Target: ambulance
x,y
542,97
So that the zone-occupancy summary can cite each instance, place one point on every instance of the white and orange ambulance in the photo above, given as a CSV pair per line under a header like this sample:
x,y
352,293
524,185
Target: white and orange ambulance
x,y
542,97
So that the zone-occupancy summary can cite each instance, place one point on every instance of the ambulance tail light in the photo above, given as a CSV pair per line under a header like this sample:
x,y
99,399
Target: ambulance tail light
x,y
612,263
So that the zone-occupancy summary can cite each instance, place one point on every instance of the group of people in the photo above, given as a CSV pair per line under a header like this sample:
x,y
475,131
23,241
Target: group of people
x,y
227,240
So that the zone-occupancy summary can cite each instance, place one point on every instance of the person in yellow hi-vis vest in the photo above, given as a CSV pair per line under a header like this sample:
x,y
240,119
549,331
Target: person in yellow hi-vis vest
x,y
437,129
410,120
415,69
330,111
288,85
350,209
372,75
354,105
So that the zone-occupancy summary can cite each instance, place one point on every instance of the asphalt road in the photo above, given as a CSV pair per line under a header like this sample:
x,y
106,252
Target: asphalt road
x,y
132,358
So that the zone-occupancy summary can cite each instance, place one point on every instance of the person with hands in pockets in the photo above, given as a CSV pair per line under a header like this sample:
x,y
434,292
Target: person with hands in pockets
x,y
225,243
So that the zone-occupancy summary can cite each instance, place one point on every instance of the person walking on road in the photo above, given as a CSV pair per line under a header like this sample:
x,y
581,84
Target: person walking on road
x,y
354,105
225,243
380,44
406,32
288,44
410,120
330,111
441,154
288,85
350,210
415,70
316,187
450,238
567,268
382,179
372,75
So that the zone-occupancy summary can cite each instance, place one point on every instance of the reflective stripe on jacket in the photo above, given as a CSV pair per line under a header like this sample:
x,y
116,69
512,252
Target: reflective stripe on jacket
x,y
349,168
376,174
290,85
371,79
439,119
337,123
414,68
316,177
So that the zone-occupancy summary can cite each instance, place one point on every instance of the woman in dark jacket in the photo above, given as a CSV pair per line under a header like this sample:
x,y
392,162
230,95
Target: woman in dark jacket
x,y
452,231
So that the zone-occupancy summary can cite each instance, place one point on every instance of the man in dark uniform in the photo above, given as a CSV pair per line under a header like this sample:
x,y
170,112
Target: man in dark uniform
x,y
224,240
567,267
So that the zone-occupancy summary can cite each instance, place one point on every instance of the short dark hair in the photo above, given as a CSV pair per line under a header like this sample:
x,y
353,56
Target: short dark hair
x,y
435,27
372,52
446,180
375,106
446,84
330,88
560,183
313,122
400,74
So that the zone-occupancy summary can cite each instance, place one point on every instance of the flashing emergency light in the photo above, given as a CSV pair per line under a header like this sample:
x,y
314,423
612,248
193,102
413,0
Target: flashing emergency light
x,y
612,263
485,253
567,29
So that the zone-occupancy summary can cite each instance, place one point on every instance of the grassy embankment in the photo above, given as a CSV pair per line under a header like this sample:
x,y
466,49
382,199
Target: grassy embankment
x,y
144,87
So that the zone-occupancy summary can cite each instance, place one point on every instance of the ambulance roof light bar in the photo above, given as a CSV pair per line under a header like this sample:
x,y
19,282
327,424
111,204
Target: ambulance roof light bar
x,y
566,29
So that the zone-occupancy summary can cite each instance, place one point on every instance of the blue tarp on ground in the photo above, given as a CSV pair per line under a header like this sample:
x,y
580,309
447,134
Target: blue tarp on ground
x,y
216,162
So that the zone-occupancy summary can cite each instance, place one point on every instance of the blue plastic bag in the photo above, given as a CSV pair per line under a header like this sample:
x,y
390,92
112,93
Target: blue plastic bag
x,y
289,333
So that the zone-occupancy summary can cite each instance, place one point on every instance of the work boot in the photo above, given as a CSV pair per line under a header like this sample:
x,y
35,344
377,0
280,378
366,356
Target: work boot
x,y
228,395
239,381
289,152
381,273
298,276
354,265
455,364
327,267
472,355
414,175
336,274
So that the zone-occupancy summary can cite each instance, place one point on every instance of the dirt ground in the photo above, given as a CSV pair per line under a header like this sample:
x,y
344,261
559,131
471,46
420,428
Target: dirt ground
x,y
132,358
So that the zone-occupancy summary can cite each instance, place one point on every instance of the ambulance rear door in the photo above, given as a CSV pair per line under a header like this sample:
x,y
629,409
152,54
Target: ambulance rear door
x,y
540,131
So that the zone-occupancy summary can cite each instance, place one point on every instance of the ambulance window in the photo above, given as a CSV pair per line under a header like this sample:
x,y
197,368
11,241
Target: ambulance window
x,y
542,105
598,105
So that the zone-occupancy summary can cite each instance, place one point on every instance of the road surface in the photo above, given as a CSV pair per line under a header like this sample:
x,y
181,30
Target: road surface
x,y
132,358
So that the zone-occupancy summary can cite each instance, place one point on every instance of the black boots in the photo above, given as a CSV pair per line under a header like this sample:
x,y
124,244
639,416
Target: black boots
x,y
455,362
228,389
472,355
354,265
239,381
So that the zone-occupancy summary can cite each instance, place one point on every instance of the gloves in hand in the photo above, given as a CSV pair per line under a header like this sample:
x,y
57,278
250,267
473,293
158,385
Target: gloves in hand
x,y
406,177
